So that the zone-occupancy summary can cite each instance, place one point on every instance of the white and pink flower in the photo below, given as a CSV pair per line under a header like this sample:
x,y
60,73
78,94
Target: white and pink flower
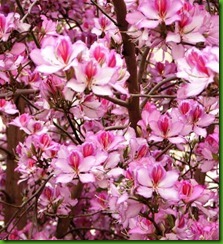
x,y
157,180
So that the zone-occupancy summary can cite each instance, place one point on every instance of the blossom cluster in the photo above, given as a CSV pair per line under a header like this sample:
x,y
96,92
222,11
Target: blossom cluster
x,y
109,120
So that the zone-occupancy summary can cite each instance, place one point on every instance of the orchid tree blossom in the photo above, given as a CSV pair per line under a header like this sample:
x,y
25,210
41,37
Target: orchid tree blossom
x,y
194,68
91,77
190,192
109,120
188,27
159,181
73,166
165,127
57,54
151,13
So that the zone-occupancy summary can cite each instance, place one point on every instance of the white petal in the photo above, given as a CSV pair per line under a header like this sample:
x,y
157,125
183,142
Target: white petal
x,y
169,193
145,191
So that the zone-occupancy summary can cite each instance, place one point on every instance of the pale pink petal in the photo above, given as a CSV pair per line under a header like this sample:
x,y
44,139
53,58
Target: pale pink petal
x,y
76,86
122,198
18,48
86,164
36,57
173,37
135,17
77,48
148,10
200,131
145,191
213,65
169,21
48,69
174,7
143,177
206,165
197,191
86,178
177,140
133,209
102,90
194,37
154,127
177,51
63,166
175,129
151,24
155,138
195,88
64,178
103,76
206,120
169,180
195,24
169,193
116,172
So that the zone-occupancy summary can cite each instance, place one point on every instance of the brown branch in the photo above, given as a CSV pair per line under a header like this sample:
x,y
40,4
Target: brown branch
x,y
130,59
23,14
143,64
118,127
102,10
153,96
157,86
29,10
19,92
115,101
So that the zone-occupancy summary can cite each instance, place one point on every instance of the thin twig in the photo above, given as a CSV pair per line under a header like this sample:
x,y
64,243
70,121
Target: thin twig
x,y
29,10
31,32
118,127
36,194
153,96
102,10
157,86
19,92
73,128
116,101
65,132
143,64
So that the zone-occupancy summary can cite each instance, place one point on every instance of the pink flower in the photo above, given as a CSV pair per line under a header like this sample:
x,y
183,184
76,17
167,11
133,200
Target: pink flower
x,y
73,166
190,192
188,27
158,180
194,68
52,87
57,54
142,226
48,26
7,107
56,199
29,125
92,77
208,152
6,26
166,128
193,116
152,12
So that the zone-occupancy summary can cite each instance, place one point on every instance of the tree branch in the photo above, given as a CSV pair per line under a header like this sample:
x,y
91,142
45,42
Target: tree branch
x,y
157,86
115,101
130,59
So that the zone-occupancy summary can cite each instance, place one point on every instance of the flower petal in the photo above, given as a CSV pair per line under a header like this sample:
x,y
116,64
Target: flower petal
x,y
169,193
143,177
169,180
144,191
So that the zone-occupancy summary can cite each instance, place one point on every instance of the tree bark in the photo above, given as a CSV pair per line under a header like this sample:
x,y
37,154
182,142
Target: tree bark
x,y
12,189
130,58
